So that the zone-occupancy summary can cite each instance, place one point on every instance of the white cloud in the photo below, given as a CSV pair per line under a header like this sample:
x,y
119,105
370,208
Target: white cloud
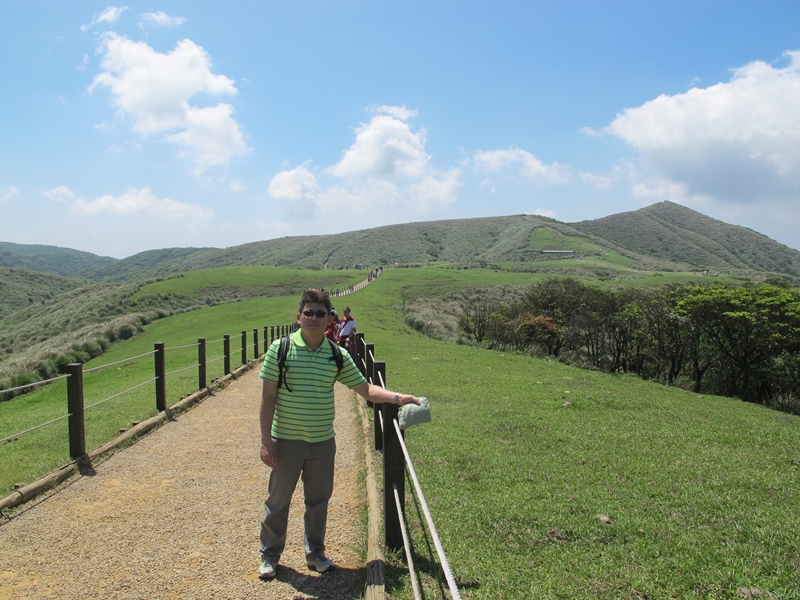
x,y
519,163
154,89
401,112
435,190
386,168
141,202
159,17
60,193
384,148
109,16
8,195
734,141
360,200
294,185
210,137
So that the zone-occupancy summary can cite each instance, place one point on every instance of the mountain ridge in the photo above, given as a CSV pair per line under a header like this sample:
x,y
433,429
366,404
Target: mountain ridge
x,y
664,235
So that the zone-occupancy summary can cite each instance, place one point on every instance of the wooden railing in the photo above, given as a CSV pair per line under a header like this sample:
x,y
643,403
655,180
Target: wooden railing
x,y
76,410
388,438
390,441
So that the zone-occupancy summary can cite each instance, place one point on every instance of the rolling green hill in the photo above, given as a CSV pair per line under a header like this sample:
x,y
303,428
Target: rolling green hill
x,y
664,236
49,259
21,288
106,299
676,233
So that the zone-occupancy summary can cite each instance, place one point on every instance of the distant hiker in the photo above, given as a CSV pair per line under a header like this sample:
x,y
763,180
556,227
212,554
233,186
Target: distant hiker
x,y
297,436
332,332
347,330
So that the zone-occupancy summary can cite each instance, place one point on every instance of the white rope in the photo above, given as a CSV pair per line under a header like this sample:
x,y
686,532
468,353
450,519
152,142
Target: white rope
x,y
183,369
182,347
451,582
34,384
120,394
406,544
11,437
124,360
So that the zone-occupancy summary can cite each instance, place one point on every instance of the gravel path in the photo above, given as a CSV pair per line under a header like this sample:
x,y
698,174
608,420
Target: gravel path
x,y
177,515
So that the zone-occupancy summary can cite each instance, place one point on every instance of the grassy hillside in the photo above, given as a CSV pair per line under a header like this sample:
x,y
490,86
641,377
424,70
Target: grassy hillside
x,y
47,319
670,231
151,264
21,288
664,236
49,259
544,481
81,321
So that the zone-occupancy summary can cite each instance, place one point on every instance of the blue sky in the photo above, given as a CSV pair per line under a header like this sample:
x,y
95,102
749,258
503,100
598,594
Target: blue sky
x,y
136,126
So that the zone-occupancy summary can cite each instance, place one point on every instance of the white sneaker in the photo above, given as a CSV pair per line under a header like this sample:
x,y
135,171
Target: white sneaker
x,y
320,563
266,569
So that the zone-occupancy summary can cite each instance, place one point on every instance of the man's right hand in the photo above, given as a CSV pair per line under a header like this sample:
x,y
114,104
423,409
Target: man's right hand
x,y
269,455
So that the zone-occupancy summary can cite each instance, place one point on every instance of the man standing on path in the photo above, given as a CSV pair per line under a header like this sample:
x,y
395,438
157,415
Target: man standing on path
x,y
297,437
347,330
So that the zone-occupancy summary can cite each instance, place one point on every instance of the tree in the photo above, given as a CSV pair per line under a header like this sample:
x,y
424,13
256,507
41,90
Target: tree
x,y
743,328
476,311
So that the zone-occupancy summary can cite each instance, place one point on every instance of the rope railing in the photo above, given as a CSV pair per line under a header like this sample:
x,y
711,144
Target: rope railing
x,y
117,395
176,371
181,347
397,462
21,433
76,409
451,582
407,545
75,383
118,362
34,384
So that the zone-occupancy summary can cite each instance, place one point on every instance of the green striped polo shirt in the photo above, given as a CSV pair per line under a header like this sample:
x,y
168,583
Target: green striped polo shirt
x,y
306,413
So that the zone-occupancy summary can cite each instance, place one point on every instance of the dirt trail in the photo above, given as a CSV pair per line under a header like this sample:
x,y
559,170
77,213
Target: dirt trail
x,y
177,515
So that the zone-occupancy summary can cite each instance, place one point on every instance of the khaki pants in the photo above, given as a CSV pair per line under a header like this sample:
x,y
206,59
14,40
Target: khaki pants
x,y
315,463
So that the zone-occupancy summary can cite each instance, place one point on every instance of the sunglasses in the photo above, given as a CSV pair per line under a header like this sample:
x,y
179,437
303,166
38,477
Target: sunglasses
x,y
315,313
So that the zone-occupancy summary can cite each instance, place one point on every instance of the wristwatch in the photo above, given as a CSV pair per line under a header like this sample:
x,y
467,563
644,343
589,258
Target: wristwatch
x,y
397,399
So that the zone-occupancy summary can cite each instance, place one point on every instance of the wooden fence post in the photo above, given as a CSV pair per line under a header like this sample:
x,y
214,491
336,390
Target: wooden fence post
x,y
77,430
226,349
161,377
201,362
266,340
244,347
255,343
393,476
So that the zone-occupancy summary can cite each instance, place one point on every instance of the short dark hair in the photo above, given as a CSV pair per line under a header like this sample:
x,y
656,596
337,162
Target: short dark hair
x,y
313,296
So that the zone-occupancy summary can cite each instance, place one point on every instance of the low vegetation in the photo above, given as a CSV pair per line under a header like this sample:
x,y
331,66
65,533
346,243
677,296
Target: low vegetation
x,y
545,480
733,340
81,322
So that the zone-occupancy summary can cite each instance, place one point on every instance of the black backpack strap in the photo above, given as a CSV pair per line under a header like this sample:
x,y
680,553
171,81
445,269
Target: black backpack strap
x,y
283,351
337,355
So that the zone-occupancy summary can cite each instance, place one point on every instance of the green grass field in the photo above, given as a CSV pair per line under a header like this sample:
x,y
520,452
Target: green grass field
x,y
545,481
